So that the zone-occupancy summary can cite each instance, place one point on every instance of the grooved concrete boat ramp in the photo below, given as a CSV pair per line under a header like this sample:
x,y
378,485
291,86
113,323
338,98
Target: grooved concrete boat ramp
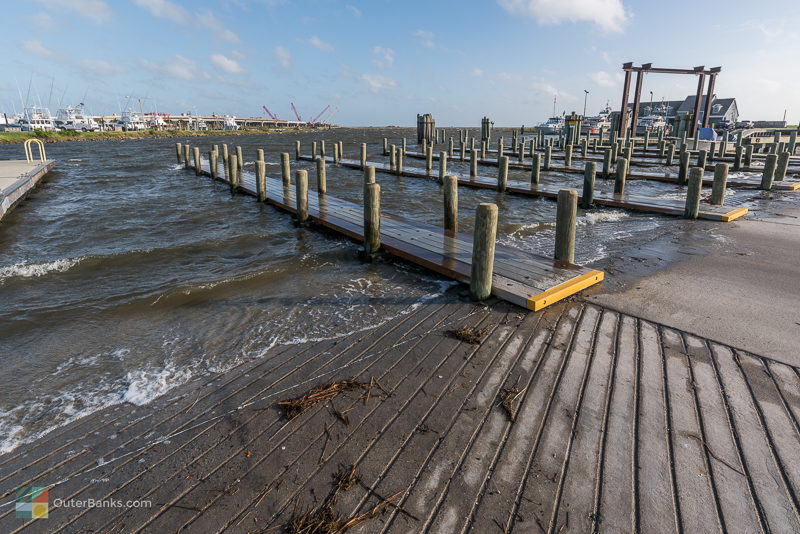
x,y
17,179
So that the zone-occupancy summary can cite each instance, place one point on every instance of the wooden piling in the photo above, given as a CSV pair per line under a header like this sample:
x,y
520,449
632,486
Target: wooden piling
x,y
212,164
622,173
748,155
568,157
768,175
179,151
336,155
429,160
483,149
442,166
301,194
450,204
548,153
372,219
393,157
322,148
186,153
473,164
607,163
782,166
196,154
233,176
225,160
536,168
400,154
261,180
566,214
720,184
297,150
286,170
451,152
683,168
322,177
589,172
500,148
483,245
670,154
314,150
521,151
702,156
737,158
239,160
385,146
693,193
502,173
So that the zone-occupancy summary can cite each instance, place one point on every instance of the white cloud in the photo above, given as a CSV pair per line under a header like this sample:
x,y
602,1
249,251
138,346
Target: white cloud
x,y
606,57
226,64
547,88
610,15
605,79
100,67
95,10
425,37
164,9
207,19
283,56
477,72
385,57
178,66
318,43
42,20
36,48
354,10
377,82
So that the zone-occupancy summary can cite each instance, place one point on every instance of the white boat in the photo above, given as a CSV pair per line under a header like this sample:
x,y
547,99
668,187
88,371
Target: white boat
x,y
553,125
156,121
230,123
652,123
131,121
601,121
36,118
196,123
75,118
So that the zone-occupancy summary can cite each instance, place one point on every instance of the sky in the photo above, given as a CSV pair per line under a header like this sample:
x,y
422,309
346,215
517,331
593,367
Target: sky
x,y
383,61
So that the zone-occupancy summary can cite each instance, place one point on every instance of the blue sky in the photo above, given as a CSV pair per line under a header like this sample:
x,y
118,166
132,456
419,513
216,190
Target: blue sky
x,y
382,61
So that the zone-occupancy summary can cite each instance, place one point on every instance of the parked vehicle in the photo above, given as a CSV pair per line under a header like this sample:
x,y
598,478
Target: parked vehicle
x,y
36,118
75,118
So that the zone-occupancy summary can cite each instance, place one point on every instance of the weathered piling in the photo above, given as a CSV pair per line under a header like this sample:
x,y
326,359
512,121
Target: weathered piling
x,y
589,172
314,150
536,168
385,146
683,168
179,151
768,175
400,153
336,155
483,149
566,214
737,158
341,150
261,180
301,194
363,155
521,151
212,164
429,160
792,143
622,173
548,153
702,156
372,220
239,159
607,163
720,184
568,157
393,157
502,173
450,204
405,145
782,166
462,150
473,164
442,166
500,148
748,155
483,245
196,156
233,176
670,154
693,192
297,150
286,171
225,159
451,152
322,176
322,148
186,152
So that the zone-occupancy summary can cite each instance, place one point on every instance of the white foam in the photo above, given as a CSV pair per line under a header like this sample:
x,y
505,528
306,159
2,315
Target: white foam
x,y
144,385
30,270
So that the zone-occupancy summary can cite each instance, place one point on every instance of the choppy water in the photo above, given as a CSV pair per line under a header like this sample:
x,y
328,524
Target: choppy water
x,y
124,276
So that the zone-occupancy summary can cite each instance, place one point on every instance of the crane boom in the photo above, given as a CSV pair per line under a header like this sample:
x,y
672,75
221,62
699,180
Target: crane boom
x,y
330,115
270,114
315,119
296,114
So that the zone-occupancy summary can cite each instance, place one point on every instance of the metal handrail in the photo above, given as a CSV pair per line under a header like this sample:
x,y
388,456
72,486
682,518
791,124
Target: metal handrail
x,y
29,150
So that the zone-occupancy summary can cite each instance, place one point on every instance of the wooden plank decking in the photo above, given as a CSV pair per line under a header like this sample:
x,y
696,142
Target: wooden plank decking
x,y
788,184
625,201
520,277
17,179
621,425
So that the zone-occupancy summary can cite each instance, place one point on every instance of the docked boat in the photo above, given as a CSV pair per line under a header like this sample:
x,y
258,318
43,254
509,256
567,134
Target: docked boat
x,y
131,121
230,123
196,123
552,126
601,121
156,121
75,118
651,123
36,118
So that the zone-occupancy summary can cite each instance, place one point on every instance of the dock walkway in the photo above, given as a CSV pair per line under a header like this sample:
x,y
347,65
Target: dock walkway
x,y
619,425
17,179
520,277
624,201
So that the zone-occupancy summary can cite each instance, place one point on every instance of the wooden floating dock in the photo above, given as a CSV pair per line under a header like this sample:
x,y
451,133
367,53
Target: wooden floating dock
x,y
522,278
17,179
788,184
624,201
